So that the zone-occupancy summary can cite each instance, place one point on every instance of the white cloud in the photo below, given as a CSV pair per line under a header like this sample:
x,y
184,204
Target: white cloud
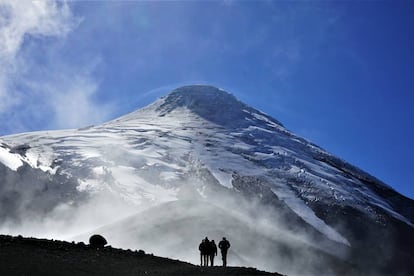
x,y
73,106
36,18
61,96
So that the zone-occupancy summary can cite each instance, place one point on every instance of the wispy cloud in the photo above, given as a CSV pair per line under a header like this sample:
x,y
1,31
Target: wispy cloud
x,y
35,18
29,85
69,98
18,21
287,56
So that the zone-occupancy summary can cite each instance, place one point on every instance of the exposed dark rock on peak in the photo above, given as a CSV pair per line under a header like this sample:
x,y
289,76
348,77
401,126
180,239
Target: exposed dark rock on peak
x,y
215,105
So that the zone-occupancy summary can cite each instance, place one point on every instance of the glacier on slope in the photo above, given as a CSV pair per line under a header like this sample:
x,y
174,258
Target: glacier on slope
x,y
201,144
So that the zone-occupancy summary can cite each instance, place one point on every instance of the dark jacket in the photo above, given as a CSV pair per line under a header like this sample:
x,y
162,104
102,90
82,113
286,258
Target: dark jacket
x,y
224,245
213,248
204,247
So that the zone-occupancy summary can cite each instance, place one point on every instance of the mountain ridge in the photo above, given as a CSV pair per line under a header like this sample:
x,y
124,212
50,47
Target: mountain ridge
x,y
238,159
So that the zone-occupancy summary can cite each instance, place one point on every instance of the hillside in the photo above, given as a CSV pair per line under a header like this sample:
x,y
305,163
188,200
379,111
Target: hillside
x,y
30,256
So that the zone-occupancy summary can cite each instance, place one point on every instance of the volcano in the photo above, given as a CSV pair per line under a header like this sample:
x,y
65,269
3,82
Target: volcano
x,y
198,162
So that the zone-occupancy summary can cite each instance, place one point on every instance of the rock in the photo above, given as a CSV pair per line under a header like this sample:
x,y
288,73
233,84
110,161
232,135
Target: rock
x,y
97,241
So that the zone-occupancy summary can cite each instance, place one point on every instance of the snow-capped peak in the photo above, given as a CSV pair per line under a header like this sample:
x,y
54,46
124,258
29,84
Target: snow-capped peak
x,y
209,103
212,104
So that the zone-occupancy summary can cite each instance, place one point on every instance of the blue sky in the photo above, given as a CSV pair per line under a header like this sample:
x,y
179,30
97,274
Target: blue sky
x,y
338,73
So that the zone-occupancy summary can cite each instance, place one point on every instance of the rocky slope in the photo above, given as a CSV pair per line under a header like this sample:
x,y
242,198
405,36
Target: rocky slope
x,y
29,256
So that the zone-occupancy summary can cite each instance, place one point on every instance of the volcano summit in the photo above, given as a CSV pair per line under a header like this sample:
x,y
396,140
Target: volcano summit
x,y
198,162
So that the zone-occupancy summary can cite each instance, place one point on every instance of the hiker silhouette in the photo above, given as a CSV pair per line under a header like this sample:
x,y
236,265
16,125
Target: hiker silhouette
x,y
212,251
204,251
224,246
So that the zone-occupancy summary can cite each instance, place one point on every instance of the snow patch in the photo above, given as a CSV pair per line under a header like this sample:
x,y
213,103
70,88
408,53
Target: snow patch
x,y
11,160
307,214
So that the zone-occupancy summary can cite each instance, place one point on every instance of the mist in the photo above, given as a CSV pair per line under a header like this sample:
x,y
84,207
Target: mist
x,y
263,235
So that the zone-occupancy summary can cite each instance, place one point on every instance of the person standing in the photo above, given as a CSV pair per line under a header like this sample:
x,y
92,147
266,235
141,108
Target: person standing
x,y
224,246
206,251
213,252
204,248
201,247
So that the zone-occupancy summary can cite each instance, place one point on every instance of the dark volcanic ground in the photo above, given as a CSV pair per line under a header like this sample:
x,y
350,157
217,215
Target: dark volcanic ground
x,y
29,256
